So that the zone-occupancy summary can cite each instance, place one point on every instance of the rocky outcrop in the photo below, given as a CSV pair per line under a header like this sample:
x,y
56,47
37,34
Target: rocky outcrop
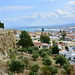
x,y
7,41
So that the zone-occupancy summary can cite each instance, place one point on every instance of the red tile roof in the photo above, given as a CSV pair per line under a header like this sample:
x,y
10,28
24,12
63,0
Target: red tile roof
x,y
61,44
70,36
38,43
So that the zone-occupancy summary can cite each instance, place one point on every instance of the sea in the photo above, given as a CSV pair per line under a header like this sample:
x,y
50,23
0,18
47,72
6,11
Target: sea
x,y
35,29
47,28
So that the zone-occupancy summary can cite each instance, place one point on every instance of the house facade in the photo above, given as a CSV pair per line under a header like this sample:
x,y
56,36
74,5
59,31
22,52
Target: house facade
x,y
70,53
67,43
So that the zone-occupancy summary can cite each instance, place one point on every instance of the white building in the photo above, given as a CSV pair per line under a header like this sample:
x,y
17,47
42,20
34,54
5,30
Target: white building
x,y
67,43
70,53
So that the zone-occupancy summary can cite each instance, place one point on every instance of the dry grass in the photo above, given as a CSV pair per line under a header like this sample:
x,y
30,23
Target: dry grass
x,y
4,68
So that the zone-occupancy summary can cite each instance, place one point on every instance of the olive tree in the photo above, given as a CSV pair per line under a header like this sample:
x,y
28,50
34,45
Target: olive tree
x,y
35,56
55,50
16,66
53,70
45,70
47,62
26,61
34,68
44,54
60,59
45,39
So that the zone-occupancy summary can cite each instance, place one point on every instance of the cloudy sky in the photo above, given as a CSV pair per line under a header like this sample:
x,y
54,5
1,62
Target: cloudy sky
x,y
16,13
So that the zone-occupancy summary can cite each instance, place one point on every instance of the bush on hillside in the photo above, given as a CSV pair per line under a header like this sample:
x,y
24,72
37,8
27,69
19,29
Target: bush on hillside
x,y
34,68
16,66
47,62
26,61
53,70
35,56
61,59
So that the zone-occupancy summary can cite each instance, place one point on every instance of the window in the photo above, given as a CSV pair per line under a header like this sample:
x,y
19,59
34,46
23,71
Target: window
x,y
62,47
44,46
74,58
39,46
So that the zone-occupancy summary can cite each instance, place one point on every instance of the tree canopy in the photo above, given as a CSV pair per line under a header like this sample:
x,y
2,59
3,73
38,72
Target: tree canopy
x,y
35,55
16,65
1,25
67,48
34,68
63,34
55,50
61,59
25,40
26,61
53,70
47,62
44,39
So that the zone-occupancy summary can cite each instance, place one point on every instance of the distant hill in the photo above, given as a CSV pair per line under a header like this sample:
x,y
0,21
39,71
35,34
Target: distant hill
x,y
61,25
41,26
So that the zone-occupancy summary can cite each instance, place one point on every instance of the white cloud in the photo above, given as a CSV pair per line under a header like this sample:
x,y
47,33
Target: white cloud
x,y
20,18
61,12
15,8
71,3
42,15
47,15
68,10
64,13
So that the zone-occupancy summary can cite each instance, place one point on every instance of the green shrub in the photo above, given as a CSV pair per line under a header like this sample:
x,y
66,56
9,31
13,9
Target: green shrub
x,y
23,50
20,57
26,61
61,59
47,62
53,70
45,70
65,66
35,52
13,55
43,54
30,49
16,66
45,58
55,50
34,68
10,50
67,48
35,56
8,62
69,58
35,48
33,73
70,69
15,50
40,51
